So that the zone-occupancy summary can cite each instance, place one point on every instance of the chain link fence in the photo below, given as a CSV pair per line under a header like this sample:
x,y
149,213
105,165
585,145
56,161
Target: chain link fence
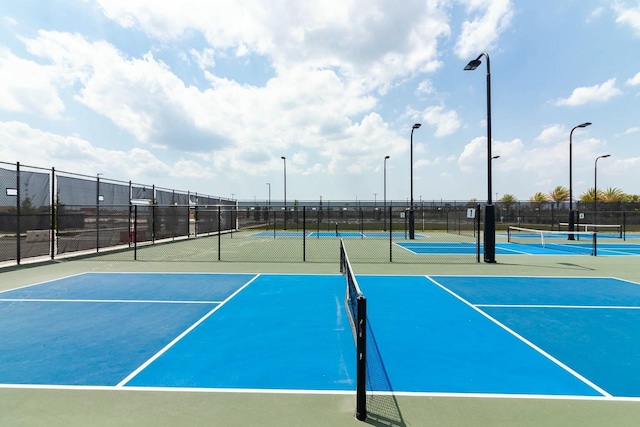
x,y
45,213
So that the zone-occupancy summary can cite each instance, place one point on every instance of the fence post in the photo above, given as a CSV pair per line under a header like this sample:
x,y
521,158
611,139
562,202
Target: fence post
x,y
18,213
219,230
135,232
52,229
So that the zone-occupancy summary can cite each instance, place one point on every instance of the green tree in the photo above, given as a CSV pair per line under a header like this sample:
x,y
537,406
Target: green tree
x,y
559,194
588,195
612,194
540,197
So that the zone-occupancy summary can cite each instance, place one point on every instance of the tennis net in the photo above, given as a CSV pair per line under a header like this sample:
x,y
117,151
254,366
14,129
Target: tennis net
x,y
579,242
356,305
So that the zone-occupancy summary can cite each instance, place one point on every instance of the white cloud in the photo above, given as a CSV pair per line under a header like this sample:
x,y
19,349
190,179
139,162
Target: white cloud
x,y
552,133
205,59
446,122
634,81
70,153
492,18
28,87
629,16
632,130
595,93
596,13
369,43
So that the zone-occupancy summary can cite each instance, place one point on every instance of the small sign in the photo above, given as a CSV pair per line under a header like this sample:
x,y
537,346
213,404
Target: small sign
x,y
401,214
12,191
581,215
471,213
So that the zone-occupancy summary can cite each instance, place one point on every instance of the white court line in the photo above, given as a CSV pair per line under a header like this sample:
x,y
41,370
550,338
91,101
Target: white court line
x,y
42,283
183,334
320,392
596,307
524,340
107,301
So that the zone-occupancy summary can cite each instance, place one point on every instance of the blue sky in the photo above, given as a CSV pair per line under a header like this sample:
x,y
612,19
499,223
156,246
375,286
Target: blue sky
x,y
207,95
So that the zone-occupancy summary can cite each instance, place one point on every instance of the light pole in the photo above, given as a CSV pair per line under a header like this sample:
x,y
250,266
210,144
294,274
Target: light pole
x,y
595,187
412,224
284,159
572,214
385,192
489,211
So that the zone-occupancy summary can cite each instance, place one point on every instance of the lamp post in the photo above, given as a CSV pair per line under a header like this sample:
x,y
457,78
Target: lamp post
x,y
385,193
489,212
284,159
412,224
572,214
595,187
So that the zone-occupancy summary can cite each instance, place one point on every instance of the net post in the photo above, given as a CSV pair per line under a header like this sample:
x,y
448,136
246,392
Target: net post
x,y
361,363
595,244
304,233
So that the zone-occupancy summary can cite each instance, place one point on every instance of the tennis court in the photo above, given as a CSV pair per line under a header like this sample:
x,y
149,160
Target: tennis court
x,y
480,335
98,340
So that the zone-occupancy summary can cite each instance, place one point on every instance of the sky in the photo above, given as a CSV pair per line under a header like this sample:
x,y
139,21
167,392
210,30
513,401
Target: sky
x,y
209,95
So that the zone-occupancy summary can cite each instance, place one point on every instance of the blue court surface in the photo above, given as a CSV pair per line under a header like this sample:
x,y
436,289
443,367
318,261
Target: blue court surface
x,y
542,336
461,248
341,234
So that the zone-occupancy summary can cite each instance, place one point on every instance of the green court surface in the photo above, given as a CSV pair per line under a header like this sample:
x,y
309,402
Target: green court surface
x,y
82,406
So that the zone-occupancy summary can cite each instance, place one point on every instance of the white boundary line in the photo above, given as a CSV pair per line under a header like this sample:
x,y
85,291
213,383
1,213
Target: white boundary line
x,y
319,392
118,301
43,282
597,307
183,334
524,340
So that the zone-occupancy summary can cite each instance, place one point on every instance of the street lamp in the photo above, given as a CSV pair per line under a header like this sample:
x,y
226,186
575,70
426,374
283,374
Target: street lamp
x,y
412,225
572,214
284,159
595,187
385,192
489,212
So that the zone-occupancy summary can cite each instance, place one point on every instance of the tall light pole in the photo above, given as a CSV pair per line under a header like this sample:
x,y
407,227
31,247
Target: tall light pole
x,y
489,211
385,193
412,224
572,214
595,187
284,159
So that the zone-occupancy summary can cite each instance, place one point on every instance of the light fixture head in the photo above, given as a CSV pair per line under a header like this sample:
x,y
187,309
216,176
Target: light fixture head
x,y
417,125
472,65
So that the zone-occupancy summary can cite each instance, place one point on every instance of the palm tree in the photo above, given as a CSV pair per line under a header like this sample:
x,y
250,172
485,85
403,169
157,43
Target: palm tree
x,y
559,194
588,196
508,200
612,194
540,197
